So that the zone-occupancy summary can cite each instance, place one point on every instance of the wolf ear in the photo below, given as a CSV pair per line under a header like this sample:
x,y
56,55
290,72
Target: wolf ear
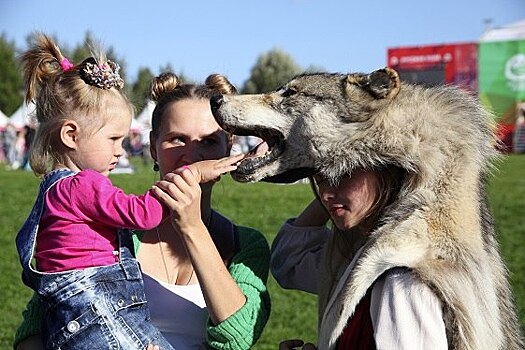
x,y
382,83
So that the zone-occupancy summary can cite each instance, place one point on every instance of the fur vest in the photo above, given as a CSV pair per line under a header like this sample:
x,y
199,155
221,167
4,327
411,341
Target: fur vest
x,y
478,309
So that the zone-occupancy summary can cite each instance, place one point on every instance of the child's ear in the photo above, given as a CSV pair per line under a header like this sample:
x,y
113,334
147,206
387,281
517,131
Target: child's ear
x,y
69,133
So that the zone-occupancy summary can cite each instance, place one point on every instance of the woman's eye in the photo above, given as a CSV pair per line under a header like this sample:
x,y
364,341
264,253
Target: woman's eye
x,y
177,140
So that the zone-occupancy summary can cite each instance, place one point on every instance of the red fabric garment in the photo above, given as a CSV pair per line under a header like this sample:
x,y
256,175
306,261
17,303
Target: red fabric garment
x,y
359,332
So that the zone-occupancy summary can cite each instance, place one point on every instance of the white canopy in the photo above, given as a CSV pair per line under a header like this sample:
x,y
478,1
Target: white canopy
x,y
23,115
513,31
144,118
136,125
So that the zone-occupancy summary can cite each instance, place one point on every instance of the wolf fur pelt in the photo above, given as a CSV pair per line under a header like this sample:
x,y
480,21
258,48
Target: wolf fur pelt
x,y
440,227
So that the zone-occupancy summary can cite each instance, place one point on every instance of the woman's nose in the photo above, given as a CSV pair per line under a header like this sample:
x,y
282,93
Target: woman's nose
x,y
326,193
192,154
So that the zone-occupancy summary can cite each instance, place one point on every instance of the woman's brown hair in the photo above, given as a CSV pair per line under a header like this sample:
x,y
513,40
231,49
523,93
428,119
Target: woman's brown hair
x,y
167,88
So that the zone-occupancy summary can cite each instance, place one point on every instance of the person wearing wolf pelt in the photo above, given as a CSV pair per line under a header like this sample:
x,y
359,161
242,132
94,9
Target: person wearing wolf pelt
x,y
438,231
398,311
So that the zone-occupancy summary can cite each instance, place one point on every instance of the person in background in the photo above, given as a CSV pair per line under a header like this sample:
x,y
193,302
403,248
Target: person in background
x,y
28,140
9,145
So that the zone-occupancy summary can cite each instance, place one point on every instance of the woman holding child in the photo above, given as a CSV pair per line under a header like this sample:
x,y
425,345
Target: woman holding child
x,y
204,277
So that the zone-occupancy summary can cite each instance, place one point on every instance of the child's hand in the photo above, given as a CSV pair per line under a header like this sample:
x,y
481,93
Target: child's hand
x,y
211,170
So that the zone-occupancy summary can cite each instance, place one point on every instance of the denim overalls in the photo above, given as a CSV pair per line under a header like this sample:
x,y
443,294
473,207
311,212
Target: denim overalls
x,y
94,308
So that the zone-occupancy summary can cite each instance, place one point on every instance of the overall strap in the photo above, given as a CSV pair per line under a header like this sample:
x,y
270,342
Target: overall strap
x,y
126,245
126,254
26,237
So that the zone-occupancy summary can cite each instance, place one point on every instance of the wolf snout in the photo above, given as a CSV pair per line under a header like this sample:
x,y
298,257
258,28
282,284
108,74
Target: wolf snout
x,y
216,101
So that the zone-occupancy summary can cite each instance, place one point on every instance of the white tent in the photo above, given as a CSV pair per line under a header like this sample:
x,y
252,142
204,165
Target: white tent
x,y
513,31
23,115
144,118
136,126
3,120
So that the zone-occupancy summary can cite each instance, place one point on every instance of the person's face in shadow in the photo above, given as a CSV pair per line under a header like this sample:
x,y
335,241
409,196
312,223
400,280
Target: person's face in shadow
x,y
351,200
188,133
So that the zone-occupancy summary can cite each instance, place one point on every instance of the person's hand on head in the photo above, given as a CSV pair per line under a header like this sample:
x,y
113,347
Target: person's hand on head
x,y
181,192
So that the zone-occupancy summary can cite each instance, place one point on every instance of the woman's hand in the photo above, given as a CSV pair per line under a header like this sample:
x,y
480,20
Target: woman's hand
x,y
292,344
180,191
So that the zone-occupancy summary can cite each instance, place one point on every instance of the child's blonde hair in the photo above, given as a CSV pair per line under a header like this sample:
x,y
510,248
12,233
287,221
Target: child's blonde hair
x,y
64,91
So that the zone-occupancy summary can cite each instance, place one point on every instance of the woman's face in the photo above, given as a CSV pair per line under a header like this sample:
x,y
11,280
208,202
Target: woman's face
x,y
188,133
349,202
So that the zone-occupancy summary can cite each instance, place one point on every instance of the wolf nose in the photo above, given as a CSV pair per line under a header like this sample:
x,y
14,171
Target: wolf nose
x,y
216,101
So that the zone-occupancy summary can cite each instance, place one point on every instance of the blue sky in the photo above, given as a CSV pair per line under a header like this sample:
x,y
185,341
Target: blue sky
x,y
199,37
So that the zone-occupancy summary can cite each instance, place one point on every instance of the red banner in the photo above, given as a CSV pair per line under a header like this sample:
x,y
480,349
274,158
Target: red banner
x,y
437,64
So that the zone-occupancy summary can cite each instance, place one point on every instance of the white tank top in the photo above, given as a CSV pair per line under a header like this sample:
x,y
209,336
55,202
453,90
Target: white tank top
x,y
179,312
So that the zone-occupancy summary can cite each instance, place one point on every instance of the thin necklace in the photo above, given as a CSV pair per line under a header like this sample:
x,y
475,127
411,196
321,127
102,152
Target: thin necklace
x,y
166,265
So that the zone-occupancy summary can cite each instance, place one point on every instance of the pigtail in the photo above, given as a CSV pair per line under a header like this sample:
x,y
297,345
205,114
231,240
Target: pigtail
x,y
40,64
168,88
220,84
163,85
62,90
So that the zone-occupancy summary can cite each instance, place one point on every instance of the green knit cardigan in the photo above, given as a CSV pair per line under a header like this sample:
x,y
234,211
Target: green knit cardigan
x,y
249,268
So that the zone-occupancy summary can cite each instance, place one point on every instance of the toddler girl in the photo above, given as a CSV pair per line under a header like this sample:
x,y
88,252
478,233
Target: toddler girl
x,y
79,226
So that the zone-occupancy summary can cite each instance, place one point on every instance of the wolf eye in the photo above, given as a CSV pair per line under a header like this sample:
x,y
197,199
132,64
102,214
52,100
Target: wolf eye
x,y
289,92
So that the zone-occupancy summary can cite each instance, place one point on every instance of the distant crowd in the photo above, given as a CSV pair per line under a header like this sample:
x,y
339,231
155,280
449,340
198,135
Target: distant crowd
x,y
15,146
15,143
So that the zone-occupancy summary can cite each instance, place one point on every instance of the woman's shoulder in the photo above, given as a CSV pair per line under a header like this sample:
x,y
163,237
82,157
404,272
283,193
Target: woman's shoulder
x,y
250,236
252,248
250,232
243,236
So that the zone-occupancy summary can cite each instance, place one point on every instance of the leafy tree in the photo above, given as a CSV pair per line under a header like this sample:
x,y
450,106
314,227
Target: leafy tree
x,y
83,50
112,55
271,70
182,76
168,68
140,88
10,77
315,69
185,79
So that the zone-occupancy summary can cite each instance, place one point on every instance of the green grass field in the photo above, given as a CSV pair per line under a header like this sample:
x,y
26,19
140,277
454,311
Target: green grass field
x,y
264,207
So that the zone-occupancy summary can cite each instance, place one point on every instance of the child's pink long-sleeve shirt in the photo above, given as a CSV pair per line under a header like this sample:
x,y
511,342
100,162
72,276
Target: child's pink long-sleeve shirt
x,y
78,228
